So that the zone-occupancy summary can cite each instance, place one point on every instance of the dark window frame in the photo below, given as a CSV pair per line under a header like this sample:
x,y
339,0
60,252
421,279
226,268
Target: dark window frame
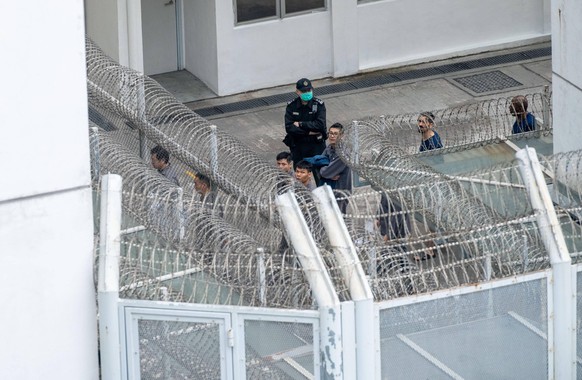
x,y
280,12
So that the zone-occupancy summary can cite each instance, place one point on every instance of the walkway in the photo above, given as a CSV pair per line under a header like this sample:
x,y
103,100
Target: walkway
x,y
256,118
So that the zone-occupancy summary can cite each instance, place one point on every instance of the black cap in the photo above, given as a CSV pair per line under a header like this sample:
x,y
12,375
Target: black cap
x,y
303,85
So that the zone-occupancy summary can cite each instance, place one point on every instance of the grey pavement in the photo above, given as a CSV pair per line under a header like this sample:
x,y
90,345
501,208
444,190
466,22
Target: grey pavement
x,y
262,129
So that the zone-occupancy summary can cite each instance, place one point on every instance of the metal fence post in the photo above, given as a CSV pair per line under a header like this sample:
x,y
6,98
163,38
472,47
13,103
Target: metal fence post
x,y
94,144
141,115
180,214
354,276
213,151
262,276
320,283
356,142
108,283
562,336
546,107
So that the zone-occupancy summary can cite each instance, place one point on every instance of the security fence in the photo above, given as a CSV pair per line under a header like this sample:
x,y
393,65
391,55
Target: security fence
x,y
473,327
267,280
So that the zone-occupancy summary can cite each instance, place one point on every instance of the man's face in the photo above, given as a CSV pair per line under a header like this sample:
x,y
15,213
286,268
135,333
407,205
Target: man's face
x,y
423,124
284,165
303,175
333,136
200,186
157,163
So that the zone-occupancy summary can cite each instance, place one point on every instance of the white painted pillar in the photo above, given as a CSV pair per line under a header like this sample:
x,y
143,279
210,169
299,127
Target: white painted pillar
x,y
354,277
344,35
562,334
108,284
319,281
134,34
567,76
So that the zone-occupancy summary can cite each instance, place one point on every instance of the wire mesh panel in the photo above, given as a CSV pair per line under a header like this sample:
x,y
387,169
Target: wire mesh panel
x,y
179,350
177,345
418,231
288,348
497,333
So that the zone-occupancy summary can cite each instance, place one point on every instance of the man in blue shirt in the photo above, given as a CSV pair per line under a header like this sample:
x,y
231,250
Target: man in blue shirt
x,y
524,121
430,139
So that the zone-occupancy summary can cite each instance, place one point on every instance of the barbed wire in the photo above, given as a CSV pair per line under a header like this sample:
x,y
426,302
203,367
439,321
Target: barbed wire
x,y
565,184
126,103
460,127
461,228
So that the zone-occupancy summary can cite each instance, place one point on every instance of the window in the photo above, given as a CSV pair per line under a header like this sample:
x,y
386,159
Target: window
x,y
254,10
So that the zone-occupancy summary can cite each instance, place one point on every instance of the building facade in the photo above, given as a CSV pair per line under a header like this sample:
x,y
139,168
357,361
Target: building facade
x,y
242,45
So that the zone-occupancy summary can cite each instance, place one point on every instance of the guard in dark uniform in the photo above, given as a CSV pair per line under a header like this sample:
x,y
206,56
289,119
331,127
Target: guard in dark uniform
x,y
305,123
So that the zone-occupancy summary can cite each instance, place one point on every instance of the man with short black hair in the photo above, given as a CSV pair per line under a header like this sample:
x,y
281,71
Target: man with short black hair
x,y
285,162
304,174
161,161
336,174
430,138
305,123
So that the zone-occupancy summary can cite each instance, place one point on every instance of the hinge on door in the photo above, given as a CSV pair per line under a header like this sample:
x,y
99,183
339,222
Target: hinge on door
x,y
230,336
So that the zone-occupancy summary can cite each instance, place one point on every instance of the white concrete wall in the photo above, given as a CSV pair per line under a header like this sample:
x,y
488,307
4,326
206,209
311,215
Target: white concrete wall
x,y
351,37
397,32
273,52
347,38
346,60
200,45
567,75
103,27
47,303
116,27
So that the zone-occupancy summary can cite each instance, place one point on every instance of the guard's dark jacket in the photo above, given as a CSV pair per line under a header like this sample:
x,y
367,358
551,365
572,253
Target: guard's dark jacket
x,y
311,118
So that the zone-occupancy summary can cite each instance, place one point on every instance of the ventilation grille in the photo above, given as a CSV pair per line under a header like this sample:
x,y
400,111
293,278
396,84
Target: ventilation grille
x,y
486,82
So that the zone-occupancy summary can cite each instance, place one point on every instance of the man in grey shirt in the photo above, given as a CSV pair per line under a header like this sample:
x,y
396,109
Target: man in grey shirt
x,y
161,162
336,174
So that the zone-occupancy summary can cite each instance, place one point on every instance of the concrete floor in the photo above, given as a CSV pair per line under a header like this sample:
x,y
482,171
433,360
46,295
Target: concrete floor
x,y
262,128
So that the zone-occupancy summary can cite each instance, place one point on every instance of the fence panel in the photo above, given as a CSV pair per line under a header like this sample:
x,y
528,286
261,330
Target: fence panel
x,y
177,344
280,348
163,340
487,332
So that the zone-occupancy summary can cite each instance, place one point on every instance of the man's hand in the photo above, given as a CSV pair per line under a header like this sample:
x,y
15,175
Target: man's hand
x,y
296,123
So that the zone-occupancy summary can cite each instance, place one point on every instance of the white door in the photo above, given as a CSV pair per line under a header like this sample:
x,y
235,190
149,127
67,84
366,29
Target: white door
x,y
159,33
